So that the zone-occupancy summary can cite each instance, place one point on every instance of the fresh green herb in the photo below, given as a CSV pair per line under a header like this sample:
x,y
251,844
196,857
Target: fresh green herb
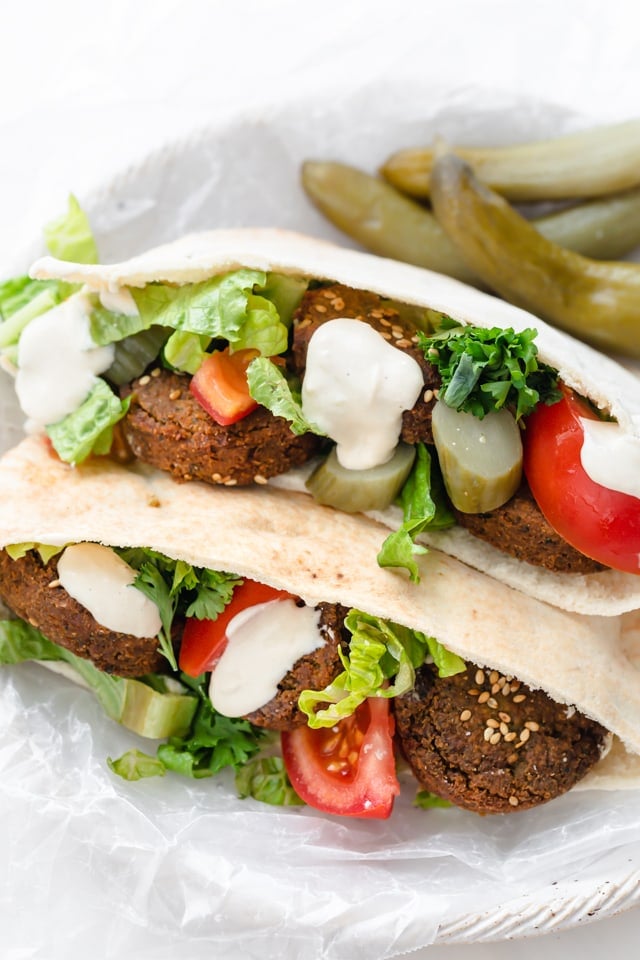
x,y
381,662
213,742
44,550
424,506
483,370
177,587
429,801
269,387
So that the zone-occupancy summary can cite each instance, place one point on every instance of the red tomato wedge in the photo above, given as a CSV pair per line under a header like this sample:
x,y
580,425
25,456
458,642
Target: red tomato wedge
x,y
348,769
203,641
220,385
601,523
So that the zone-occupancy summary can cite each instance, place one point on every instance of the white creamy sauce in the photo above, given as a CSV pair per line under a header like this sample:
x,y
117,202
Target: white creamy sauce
x,y
356,386
101,581
264,643
119,301
58,361
610,456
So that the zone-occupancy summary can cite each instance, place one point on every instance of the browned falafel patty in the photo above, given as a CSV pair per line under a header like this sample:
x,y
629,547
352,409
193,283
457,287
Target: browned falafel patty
x,y
312,671
167,428
519,529
25,588
491,744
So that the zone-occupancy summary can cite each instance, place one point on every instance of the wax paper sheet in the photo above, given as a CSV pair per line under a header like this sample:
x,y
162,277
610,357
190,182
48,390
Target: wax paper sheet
x,y
91,865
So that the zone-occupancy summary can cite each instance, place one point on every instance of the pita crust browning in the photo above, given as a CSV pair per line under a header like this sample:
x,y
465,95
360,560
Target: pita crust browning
x,y
290,542
611,387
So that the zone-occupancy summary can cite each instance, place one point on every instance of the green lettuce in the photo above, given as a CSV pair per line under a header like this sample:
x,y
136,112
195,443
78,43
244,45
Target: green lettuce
x,y
44,550
89,428
424,506
186,351
381,662
144,708
269,387
217,307
70,237
106,327
23,299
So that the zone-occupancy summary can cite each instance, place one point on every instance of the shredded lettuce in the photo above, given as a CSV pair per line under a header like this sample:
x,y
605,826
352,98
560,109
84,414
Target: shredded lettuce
x,y
424,506
381,662
269,387
186,351
44,550
70,237
106,327
89,428
216,307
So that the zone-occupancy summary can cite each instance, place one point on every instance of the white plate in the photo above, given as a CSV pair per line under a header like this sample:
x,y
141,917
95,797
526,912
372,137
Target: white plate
x,y
173,866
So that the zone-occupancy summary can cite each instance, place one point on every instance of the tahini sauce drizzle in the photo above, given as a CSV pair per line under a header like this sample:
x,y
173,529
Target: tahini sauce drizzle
x,y
610,456
264,642
101,581
58,362
355,388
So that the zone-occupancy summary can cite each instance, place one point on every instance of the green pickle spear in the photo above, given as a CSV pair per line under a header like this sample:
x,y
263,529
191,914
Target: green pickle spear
x,y
584,164
481,460
355,491
596,301
389,224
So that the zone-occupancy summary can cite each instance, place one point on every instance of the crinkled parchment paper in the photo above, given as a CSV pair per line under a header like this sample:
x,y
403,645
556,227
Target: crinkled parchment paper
x,y
93,866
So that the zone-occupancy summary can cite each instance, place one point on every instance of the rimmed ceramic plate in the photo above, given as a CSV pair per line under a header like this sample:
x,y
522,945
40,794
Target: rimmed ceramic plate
x,y
156,865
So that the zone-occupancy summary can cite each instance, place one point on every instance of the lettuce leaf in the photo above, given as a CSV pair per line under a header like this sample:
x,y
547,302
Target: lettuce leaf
x,y
381,662
107,327
216,308
139,706
430,801
186,351
69,237
269,387
89,428
424,506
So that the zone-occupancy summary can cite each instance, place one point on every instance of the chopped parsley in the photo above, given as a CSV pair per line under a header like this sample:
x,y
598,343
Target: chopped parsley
x,y
483,370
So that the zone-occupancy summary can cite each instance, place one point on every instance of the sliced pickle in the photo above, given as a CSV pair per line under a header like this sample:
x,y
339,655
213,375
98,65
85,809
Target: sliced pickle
x,y
134,354
481,460
152,714
355,491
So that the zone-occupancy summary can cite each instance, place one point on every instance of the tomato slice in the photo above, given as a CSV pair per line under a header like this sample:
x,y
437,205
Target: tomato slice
x,y
601,523
348,769
203,641
220,385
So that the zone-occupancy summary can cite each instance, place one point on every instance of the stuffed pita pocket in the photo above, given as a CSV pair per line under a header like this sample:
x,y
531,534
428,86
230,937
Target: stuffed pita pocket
x,y
185,357
398,644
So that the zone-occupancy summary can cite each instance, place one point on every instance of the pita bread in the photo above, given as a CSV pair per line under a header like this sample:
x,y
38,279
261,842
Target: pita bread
x,y
287,541
610,386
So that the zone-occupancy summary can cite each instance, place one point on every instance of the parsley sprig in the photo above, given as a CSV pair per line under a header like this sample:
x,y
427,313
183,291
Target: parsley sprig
x,y
483,370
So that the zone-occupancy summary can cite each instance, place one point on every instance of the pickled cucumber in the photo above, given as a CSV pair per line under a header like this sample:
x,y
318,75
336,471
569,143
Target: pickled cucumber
x,y
355,491
481,460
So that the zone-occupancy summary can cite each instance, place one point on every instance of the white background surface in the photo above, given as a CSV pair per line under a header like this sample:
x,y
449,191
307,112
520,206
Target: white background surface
x,y
86,89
